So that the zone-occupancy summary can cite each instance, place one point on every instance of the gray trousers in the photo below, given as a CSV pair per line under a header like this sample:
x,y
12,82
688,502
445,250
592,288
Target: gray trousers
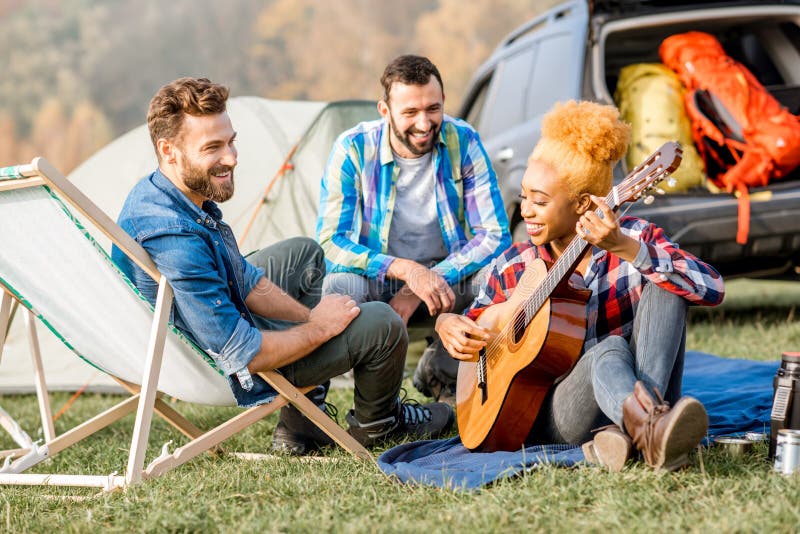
x,y
435,365
373,345
591,395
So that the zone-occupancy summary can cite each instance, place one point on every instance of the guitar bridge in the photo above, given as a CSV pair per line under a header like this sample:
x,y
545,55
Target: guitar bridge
x,y
484,392
482,376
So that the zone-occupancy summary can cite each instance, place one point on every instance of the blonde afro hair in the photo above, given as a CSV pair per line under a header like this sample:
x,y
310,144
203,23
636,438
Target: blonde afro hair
x,y
583,141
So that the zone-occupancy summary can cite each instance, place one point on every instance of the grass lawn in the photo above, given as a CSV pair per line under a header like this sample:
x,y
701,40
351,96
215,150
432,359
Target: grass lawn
x,y
337,493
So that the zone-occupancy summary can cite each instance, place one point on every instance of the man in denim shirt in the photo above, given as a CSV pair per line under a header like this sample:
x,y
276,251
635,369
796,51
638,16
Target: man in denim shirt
x,y
264,312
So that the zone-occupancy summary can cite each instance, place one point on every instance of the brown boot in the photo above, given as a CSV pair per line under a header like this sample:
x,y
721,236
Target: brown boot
x,y
665,436
611,448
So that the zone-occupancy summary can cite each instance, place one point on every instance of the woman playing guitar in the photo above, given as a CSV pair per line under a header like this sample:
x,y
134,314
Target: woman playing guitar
x,y
640,282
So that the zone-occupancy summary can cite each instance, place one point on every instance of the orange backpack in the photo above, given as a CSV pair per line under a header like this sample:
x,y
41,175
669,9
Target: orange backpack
x,y
745,136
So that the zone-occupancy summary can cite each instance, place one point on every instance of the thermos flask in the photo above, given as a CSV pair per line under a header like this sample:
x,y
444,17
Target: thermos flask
x,y
786,400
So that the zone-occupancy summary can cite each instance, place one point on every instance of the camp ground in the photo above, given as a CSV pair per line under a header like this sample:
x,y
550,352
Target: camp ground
x,y
739,392
283,146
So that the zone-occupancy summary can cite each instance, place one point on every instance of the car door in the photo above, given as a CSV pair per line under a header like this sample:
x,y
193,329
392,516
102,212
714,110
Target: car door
x,y
536,66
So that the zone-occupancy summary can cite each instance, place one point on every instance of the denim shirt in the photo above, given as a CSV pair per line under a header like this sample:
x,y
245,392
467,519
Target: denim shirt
x,y
210,279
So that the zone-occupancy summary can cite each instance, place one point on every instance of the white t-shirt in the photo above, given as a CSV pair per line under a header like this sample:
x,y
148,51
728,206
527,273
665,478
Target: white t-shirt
x,y
414,232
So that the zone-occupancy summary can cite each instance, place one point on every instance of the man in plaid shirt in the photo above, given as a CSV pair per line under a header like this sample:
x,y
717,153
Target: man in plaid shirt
x,y
410,209
641,286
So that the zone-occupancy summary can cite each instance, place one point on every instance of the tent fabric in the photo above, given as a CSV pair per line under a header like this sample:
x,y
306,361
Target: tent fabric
x,y
736,393
266,132
291,208
58,272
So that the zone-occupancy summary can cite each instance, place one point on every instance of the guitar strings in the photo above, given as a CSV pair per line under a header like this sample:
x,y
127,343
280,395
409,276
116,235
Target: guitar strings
x,y
533,304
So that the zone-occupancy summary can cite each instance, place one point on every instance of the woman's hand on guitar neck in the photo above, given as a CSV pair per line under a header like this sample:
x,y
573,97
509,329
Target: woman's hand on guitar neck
x,y
461,336
605,232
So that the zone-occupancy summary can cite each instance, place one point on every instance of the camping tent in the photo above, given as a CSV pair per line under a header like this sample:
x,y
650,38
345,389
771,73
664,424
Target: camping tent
x,y
291,207
267,132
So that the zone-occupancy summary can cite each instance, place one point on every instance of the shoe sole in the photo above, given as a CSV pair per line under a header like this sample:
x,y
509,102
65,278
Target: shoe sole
x,y
687,428
286,442
396,436
400,431
294,448
588,453
612,449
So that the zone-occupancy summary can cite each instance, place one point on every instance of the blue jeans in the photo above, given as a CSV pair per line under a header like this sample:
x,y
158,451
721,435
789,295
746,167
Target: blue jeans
x,y
591,395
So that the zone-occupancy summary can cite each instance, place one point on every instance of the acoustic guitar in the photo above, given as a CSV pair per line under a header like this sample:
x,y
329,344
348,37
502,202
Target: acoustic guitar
x,y
539,332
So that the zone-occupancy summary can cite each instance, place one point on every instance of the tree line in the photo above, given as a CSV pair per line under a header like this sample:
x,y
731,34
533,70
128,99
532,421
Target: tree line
x,y
78,73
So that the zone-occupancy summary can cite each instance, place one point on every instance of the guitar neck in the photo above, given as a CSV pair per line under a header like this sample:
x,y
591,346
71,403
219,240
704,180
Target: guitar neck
x,y
564,266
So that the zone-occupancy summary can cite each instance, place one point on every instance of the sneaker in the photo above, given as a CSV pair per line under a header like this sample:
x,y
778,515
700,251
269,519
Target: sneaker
x,y
412,419
436,373
296,434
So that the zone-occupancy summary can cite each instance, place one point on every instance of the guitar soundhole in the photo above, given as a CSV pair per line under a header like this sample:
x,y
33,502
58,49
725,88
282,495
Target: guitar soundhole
x,y
519,326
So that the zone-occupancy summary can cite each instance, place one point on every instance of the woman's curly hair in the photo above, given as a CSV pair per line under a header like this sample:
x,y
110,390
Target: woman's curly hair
x,y
583,141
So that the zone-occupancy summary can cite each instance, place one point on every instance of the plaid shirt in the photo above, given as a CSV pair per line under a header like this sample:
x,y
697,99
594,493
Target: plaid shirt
x,y
616,284
358,196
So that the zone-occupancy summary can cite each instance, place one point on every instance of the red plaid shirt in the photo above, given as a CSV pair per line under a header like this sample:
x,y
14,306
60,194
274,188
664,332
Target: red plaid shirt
x,y
616,284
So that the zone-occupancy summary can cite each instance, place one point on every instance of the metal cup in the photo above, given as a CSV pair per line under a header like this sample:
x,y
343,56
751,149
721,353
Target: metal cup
x,y
756,437
734,446
787,451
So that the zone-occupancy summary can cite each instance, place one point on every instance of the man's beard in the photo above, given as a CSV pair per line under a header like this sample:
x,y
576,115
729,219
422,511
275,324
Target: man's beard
x,y
202,182
406,137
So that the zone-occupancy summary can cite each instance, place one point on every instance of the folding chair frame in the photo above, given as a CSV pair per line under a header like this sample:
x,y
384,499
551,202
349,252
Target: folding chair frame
x,y
145,399
48,429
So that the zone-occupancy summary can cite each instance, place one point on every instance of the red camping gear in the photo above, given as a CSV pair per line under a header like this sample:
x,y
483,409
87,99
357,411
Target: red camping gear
x,y
745,136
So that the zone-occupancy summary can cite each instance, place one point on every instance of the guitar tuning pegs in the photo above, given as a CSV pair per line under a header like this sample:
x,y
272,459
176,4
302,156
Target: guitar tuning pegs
x,y
649,199
660,191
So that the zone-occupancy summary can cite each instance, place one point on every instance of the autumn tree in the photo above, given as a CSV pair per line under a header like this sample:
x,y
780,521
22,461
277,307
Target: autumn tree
x,y
48,135
458,36
331,50
88,131
8,140
88,68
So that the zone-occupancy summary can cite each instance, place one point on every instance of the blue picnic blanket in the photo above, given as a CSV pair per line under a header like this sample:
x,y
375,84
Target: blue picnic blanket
x,y
736,393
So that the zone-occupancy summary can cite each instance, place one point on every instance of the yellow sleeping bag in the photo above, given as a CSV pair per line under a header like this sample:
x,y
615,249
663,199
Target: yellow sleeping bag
x,y
650,98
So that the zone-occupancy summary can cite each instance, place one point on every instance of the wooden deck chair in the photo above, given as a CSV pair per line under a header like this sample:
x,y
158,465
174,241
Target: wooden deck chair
x,y
13,428
53,267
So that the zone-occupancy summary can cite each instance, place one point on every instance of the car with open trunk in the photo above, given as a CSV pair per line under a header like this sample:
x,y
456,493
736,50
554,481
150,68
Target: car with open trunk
x,y
577,50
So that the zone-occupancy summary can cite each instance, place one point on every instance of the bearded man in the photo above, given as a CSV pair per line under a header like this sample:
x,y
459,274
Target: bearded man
x,y
410,209
263,312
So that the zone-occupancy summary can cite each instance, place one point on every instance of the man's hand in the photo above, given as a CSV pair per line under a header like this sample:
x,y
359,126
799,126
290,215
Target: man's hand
x,y
332,315
461,336
426,284
405,303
